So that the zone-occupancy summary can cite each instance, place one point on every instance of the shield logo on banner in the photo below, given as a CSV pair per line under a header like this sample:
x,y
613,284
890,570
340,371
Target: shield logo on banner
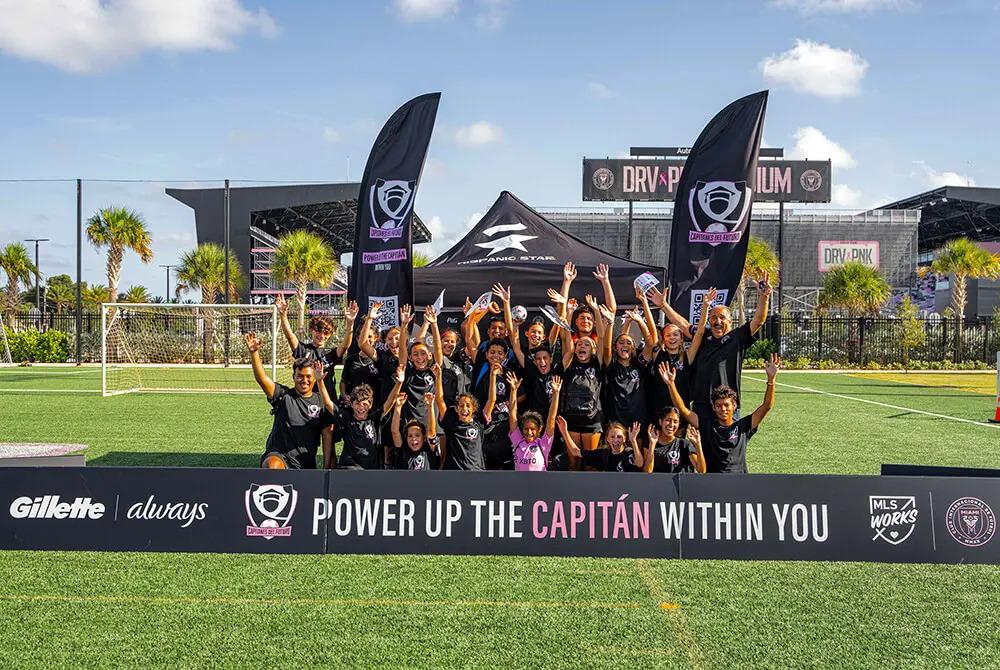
x,y
390,201
270,508
718,211
893,518
971,522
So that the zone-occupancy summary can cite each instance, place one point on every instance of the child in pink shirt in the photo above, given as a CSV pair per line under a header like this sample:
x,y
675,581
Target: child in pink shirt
x,y
531,447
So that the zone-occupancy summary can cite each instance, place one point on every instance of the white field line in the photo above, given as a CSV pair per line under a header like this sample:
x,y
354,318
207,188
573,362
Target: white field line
x,y
883,404
53,372
14,389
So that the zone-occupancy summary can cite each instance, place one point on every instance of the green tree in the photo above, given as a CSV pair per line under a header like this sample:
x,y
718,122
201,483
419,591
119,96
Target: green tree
x,y
420,259
118,229
61,296
303,258
857,289
964,260
93,296
912,333
761,262
135,293
204,268
17,265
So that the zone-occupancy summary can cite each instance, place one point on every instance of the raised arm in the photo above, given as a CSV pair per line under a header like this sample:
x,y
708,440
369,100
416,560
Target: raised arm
x,y
648,336
698,457
637,455
439,389
432,425
647,314
572,450
652,434
405,319
764,289
603,275
605,334
397,410
569,274
263,381
699,334
491,400
286,327
668,375
431,318
513,382
350,316
390,398
366,347
662,301
566,337
771,368
319,374
550,421
508,319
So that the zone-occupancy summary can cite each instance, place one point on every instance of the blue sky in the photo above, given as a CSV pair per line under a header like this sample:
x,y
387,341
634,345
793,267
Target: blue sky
x,y
903,95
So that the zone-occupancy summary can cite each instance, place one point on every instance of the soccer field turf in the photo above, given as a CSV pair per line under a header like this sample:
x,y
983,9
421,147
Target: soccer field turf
x,y
170,610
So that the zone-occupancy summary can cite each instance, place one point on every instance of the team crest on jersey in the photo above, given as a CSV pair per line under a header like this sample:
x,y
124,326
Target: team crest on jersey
x,y
674,456
369,431
472,433
590,372
312,411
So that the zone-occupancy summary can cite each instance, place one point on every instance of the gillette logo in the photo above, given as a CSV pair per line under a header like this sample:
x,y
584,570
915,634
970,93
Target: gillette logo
x,y
49,507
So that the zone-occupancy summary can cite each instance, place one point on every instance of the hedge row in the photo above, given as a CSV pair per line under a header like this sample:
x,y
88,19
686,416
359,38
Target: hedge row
x,y
33,346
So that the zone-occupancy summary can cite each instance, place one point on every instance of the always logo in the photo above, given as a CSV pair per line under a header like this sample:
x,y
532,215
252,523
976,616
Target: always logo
x,y
718,211
390,201
893,518
270,508
512,241
184,512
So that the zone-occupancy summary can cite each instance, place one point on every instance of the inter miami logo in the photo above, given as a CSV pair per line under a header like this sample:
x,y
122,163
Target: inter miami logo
x,y
603,179
270,508
971,522
893,518
811,180
390,201
718,211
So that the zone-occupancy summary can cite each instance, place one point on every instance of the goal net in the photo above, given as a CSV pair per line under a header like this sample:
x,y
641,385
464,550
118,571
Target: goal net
x,y
188,348
5,358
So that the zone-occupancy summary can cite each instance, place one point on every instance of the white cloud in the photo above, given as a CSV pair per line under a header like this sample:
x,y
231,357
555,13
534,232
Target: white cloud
x,y
598,90
492,14
842,6
425,10
817,69
332,135
472,220
90,35
935,179
843,195
811,143
478,134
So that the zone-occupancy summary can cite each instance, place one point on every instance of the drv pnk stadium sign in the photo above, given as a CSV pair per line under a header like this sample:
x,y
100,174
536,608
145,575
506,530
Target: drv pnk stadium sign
x,y
656,180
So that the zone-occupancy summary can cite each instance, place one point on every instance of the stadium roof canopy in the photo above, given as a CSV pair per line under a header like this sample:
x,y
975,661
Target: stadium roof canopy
x,y
954,211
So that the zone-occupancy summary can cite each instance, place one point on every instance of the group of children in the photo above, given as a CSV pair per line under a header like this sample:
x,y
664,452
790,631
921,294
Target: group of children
x,y
528,397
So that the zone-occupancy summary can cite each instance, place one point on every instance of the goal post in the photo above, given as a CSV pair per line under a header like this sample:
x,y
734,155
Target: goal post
x,y
197,348
5,357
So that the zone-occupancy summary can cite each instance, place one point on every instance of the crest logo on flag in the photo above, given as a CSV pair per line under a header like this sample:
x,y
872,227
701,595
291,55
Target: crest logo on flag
x,y
270,508
718,211
390,201
971,522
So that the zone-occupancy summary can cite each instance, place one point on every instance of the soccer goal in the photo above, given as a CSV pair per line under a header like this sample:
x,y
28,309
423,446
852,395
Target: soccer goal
x,y
197,348
5,357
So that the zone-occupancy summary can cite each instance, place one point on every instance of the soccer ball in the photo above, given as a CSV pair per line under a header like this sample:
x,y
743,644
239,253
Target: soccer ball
x,y
519,313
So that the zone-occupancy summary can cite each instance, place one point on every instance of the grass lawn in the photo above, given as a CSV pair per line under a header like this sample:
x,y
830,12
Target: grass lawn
x,y
183,610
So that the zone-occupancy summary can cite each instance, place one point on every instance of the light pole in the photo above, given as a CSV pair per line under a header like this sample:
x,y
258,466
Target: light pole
x,y
168,279
38,273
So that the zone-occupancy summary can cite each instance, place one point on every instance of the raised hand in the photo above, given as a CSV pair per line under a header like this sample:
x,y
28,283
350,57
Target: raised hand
x,y
281,304
561,422
633,432
712,294
653,434
772,367
253,342
495,370
591,302
608,315
571,305
429,399
436,369
399,401
494,308
640,295
429,315
375,310
514,382
351,311
693,435
601,273
501,292
764,287
468,305
656,297
555,296
667,373
405,315
401,374
557,384
569,272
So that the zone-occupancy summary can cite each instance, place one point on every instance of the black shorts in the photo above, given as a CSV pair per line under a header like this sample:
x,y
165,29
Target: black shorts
x,y
498,454
583,424
594,459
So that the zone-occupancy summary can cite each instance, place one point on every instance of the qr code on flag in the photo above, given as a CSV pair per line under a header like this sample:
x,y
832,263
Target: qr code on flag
x,y
698,302
389,316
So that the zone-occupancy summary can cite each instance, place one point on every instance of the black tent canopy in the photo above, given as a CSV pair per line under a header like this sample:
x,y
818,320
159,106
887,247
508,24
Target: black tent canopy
x,y
513,244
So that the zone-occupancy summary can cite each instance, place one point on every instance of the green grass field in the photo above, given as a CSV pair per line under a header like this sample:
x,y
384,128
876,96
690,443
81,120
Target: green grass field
x,y
182,610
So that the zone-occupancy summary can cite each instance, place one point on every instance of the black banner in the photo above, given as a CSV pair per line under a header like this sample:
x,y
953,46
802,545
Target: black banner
x,y
382,269
657,180
711,221
750,517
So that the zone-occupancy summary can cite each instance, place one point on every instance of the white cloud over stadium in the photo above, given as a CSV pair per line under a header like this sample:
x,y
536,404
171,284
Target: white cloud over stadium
x,y
816,69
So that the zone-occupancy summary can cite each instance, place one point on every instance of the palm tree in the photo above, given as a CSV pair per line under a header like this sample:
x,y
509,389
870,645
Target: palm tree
x,y
303,258
856,288
204,268
61,296
118,229
135,293
420,259
962,258
17,265
93,296
761,262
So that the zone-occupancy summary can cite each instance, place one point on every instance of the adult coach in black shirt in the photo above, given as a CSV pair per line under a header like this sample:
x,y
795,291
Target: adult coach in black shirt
x,y
720,358
723,438
300,414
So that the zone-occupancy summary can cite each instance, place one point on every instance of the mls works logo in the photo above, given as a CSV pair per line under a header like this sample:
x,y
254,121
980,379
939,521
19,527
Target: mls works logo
x,y
270,508
390,201
893,518
512,241
970,522
718,211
